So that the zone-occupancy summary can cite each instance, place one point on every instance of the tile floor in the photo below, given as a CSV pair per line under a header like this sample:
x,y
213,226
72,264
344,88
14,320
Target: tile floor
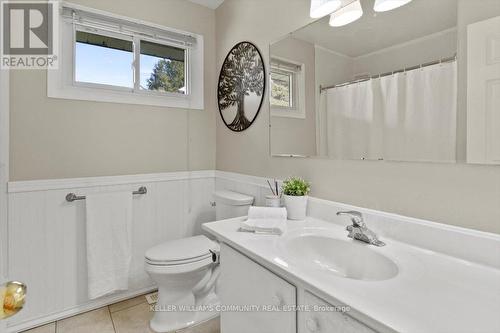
x,y
129,316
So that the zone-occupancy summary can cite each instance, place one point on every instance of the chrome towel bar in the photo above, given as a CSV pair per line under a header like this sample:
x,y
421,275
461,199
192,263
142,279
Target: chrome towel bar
x,y
70,197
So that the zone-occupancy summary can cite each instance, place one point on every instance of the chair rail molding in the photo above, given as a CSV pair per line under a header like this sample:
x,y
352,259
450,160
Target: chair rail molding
x,y
69,183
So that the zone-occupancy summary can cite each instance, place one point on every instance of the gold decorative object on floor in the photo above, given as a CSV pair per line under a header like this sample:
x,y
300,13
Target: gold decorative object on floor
x,y
12,296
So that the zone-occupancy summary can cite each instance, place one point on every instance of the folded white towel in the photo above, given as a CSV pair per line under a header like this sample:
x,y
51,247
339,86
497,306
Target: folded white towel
x,y
109,238
261,226
267,213
265,220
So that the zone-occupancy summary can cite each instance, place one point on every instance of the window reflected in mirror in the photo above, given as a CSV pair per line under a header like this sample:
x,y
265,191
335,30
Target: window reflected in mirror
x,y
281,89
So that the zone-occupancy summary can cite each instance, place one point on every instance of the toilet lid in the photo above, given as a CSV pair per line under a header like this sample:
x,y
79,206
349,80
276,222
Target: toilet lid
x,y
180,250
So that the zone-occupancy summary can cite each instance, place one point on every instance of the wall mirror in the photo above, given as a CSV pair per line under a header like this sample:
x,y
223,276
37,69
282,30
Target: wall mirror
x,y
383,87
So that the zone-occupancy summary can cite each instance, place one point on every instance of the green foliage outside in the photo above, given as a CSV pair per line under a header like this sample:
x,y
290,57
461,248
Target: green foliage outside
x,y
280,94
167,75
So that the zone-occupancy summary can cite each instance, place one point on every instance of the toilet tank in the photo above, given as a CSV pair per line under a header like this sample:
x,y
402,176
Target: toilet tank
x,y
230,204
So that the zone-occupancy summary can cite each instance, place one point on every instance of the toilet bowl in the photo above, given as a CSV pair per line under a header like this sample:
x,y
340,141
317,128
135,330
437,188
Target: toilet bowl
x,y
185,271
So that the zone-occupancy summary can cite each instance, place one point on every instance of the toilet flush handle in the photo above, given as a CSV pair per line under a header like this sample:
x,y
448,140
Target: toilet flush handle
x,y
215,256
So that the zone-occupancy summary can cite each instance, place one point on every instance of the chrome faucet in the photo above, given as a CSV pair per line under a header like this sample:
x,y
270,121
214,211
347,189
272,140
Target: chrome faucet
x,y
358,230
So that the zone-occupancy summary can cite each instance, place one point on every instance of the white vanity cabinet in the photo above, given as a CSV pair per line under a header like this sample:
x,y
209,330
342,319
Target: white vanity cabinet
x,y
325,320
245,283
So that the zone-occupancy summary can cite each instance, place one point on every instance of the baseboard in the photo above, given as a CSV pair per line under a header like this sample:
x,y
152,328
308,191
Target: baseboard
x,y
89,306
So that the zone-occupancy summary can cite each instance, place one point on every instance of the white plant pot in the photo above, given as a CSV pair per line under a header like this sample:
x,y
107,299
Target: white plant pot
x,y
296,206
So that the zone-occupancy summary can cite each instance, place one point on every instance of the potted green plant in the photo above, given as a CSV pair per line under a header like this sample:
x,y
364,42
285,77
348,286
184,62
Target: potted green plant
x,y
295,191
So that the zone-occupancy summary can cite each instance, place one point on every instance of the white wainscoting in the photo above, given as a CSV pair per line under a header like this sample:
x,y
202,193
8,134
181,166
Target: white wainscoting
x,y
246,184
46,247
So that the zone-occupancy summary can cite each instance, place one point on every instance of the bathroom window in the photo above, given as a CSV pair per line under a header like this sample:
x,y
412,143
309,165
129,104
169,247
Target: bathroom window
x,y
111,58
282,88
163,68
105,60
108,59
287,93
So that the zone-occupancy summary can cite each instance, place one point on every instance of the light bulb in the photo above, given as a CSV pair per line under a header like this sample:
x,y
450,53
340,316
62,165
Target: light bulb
x,y
385,5
320,8
347,14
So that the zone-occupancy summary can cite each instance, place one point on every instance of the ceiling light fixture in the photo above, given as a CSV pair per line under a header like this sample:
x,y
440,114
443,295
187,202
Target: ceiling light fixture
x,y
386,5
347,14
320,8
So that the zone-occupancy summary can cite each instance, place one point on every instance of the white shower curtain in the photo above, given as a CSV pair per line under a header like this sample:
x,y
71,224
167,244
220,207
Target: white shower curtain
x,y
405,117
353,122
322,125
420,111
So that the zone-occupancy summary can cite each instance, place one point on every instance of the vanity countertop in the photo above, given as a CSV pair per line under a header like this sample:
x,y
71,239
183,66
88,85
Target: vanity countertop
x,y
432,292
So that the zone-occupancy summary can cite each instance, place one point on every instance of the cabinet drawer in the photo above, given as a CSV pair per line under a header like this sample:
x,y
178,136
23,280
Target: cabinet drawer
x,y
245,283
327,320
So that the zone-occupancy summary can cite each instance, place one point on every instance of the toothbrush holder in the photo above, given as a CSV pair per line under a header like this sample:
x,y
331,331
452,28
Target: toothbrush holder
x,y
273,201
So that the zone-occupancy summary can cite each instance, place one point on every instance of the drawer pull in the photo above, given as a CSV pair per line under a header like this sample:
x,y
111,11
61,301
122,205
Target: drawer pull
x,y
312,325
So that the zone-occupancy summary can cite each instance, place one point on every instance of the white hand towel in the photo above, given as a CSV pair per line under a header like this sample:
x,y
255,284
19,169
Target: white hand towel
x,y
266,213
265,220
109,238
264,226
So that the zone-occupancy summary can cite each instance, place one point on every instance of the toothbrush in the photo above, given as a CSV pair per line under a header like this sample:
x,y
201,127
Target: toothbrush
x,y
268,183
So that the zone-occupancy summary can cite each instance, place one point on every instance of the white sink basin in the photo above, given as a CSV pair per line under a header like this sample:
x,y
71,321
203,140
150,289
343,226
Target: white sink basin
x,y
317,250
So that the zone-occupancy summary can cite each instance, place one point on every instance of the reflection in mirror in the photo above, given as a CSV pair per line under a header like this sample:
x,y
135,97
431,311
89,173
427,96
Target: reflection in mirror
x,y
292,98
382,87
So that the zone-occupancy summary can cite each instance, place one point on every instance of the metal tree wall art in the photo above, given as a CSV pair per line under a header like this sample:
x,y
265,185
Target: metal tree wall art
x,y
241,86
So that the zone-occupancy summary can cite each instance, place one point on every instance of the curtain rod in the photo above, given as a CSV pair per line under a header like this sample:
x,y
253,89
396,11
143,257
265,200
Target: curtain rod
x,y
406,69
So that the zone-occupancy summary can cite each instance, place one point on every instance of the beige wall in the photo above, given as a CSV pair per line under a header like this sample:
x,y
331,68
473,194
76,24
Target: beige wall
x,y
56,138
463,195
412,53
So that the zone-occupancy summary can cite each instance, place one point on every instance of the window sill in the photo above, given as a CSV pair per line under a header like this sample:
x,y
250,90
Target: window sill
x,y
80,92
287,113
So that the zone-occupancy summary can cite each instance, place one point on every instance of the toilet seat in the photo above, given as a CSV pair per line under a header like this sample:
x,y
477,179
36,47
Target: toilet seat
x,y
194,251
179,268
178,262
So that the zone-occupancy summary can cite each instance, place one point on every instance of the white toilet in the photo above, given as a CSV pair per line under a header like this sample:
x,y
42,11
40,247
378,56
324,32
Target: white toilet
x,y
186,271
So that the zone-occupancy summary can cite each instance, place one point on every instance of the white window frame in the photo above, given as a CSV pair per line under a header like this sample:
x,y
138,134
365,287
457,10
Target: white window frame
x,y
61,82
137,74
297,91
111,34
292,84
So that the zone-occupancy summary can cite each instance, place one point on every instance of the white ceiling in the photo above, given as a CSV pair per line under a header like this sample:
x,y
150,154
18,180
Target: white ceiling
x,y
376,31
209,3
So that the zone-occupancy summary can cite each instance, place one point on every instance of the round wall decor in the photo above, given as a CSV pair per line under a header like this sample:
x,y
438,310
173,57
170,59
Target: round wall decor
x,y
242,82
